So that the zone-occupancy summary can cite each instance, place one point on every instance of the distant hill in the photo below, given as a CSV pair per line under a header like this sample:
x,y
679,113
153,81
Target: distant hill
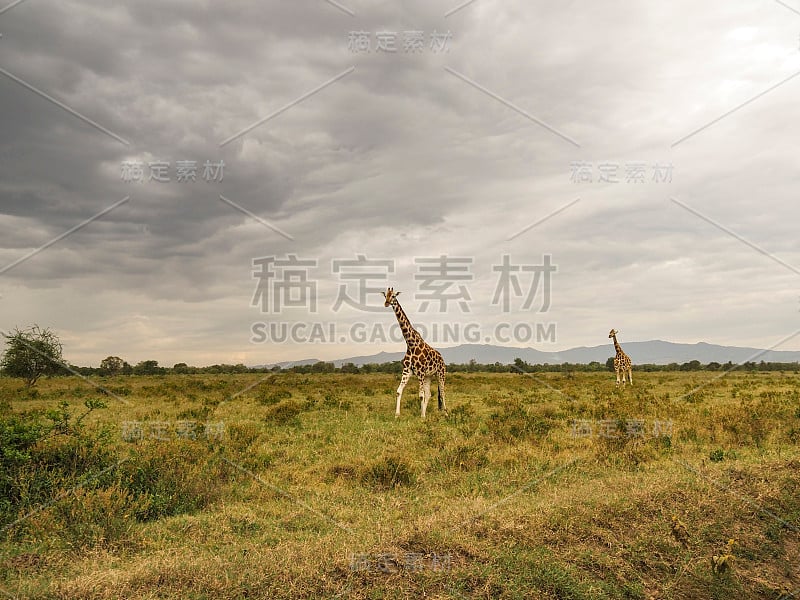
x,y
653,352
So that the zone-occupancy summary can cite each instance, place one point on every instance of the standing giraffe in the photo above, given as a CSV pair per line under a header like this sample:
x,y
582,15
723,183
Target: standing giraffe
x,y
420,359
622,362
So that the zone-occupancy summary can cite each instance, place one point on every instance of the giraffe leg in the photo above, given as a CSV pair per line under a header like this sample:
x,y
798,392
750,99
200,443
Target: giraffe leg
x,y
618,372
630,375
427,392
424,394
403,382
442,405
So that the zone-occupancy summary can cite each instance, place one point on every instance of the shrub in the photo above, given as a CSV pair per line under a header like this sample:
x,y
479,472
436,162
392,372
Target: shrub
x,y
38,459
284,413
461,414
389,472
464,457
171,479
18,435
269,396
513,423
96,518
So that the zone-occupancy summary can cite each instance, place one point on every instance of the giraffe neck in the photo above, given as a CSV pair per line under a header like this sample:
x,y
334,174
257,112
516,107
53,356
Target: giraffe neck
x,y
617,347
409,333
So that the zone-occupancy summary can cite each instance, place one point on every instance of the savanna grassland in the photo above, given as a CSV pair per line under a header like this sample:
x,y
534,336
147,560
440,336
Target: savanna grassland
x,y
306,486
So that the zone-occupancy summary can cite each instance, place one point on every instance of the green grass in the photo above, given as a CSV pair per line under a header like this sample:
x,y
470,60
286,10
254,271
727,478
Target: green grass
x,y
312,470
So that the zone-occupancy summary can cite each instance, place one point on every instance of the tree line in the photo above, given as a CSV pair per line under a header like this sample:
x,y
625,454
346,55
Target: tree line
x,y
35,352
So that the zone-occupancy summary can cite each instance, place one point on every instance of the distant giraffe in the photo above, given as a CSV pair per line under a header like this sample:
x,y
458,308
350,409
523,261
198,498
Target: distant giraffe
x,y
622,362
420,359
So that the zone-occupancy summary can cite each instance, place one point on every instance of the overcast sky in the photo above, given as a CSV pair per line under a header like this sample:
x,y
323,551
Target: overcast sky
x,y
662,135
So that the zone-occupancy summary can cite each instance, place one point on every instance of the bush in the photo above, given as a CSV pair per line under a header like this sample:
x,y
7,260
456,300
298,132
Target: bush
x,y
284,413
463,457
37,457
629,451
514,423
461,414
18,436
269,396
61,477
388,473
94,518
170,479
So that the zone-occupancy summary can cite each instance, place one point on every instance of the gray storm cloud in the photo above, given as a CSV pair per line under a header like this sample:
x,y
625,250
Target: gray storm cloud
x,y
448,150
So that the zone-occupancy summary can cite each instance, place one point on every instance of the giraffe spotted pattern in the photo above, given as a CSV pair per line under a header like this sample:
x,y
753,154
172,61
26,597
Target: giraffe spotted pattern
x,y
420,360
622,362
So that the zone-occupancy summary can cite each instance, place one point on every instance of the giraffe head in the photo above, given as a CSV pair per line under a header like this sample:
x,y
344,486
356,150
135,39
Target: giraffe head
x,y
612,333
391,297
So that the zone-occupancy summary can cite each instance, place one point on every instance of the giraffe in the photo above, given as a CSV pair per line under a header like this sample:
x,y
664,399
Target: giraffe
x,y
622,362
420,359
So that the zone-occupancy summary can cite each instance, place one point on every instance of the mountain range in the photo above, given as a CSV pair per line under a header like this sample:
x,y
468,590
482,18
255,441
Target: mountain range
x,y
650,352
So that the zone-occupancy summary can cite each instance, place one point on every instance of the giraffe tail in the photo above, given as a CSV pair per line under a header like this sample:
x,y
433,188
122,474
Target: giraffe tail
x,y
440,397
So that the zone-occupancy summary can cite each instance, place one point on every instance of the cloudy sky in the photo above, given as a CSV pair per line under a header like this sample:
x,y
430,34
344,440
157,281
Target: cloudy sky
x,y
648,148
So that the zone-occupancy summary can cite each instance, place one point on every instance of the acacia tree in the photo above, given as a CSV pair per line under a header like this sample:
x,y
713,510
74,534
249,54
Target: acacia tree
x,y
148,367
112,365
31,353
